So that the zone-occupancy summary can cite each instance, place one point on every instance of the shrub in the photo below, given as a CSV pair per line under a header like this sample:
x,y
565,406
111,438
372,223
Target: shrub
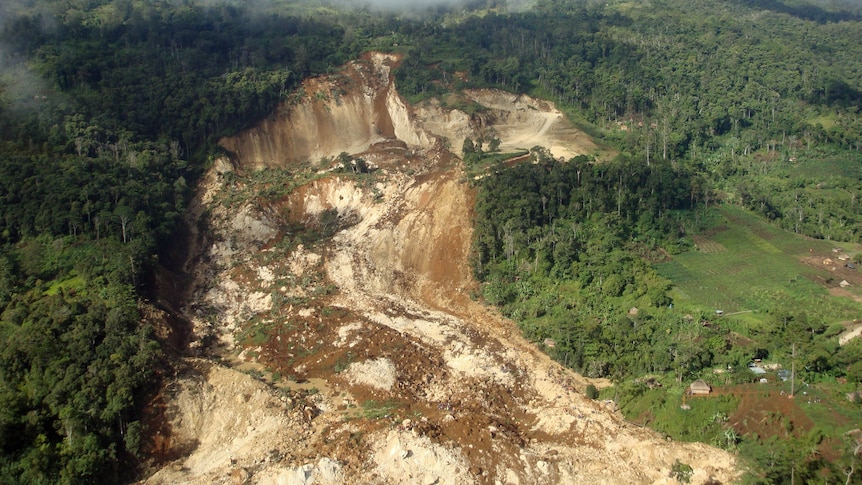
x,y
681,471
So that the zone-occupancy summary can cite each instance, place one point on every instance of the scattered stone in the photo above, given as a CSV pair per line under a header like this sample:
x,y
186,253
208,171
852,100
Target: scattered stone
x,y
377,373
543,467
380,266
240,477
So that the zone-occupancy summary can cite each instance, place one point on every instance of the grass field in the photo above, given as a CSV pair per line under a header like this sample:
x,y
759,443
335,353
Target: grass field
x,y
744,264
845,164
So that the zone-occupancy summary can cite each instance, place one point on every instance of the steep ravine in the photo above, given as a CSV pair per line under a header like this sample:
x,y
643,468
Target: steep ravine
x,y
387,371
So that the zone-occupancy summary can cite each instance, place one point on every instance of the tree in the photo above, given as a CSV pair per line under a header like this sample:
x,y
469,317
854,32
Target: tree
x,y
123,215
468,146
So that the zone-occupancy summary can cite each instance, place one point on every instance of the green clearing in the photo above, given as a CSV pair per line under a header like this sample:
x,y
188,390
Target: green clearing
x,y
844,164
703,420
74,282
826,405
826,121
747,265
758,274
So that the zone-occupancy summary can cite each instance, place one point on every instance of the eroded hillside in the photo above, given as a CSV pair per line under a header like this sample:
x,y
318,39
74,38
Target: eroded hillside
x,y
351,292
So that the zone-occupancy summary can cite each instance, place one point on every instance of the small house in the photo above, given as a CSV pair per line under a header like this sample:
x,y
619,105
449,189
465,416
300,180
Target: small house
x,y
699,387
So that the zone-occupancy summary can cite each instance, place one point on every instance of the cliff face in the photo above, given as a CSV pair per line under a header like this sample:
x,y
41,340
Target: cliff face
x,y
360,107
383,368
344,113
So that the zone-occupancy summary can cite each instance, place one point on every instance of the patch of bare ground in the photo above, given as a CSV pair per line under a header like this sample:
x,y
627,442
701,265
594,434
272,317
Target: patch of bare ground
x,y
851,331
366,360
845,293
840,279
766,412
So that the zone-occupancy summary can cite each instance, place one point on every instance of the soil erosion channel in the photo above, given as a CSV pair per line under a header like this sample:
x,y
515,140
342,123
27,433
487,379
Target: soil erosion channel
x,y
351,294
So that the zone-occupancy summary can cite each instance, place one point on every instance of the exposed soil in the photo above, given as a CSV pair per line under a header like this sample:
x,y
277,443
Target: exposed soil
x,y
766,411
843,278
359,356
838,271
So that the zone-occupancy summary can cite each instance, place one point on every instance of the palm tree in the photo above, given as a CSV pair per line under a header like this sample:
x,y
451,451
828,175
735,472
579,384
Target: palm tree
x,y
731,437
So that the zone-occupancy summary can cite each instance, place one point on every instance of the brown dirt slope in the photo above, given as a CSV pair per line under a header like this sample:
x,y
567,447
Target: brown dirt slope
x,y
384,369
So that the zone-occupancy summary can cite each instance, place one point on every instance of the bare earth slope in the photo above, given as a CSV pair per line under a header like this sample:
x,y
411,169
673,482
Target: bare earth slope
x,y
386,370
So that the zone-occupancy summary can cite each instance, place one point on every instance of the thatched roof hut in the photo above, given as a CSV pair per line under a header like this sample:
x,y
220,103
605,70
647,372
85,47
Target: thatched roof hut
x,y
699,387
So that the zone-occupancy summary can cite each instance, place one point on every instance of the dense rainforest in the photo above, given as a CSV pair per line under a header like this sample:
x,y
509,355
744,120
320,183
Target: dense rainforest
x,y
109,111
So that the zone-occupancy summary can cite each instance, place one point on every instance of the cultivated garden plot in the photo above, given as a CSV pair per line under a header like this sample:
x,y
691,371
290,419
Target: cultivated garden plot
x,y
746,265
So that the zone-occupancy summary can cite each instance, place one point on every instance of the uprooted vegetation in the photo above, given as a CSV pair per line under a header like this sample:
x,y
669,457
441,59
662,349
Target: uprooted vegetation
x,y
109,113
352,293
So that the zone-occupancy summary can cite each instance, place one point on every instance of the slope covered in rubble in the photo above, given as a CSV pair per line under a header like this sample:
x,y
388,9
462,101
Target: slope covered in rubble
x,y
329,276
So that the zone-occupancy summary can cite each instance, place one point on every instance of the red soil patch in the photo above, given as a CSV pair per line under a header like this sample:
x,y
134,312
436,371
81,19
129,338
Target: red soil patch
x,y
765,411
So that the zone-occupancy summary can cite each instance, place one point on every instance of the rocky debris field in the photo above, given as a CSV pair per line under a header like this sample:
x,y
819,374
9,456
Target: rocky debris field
x,y
329,331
